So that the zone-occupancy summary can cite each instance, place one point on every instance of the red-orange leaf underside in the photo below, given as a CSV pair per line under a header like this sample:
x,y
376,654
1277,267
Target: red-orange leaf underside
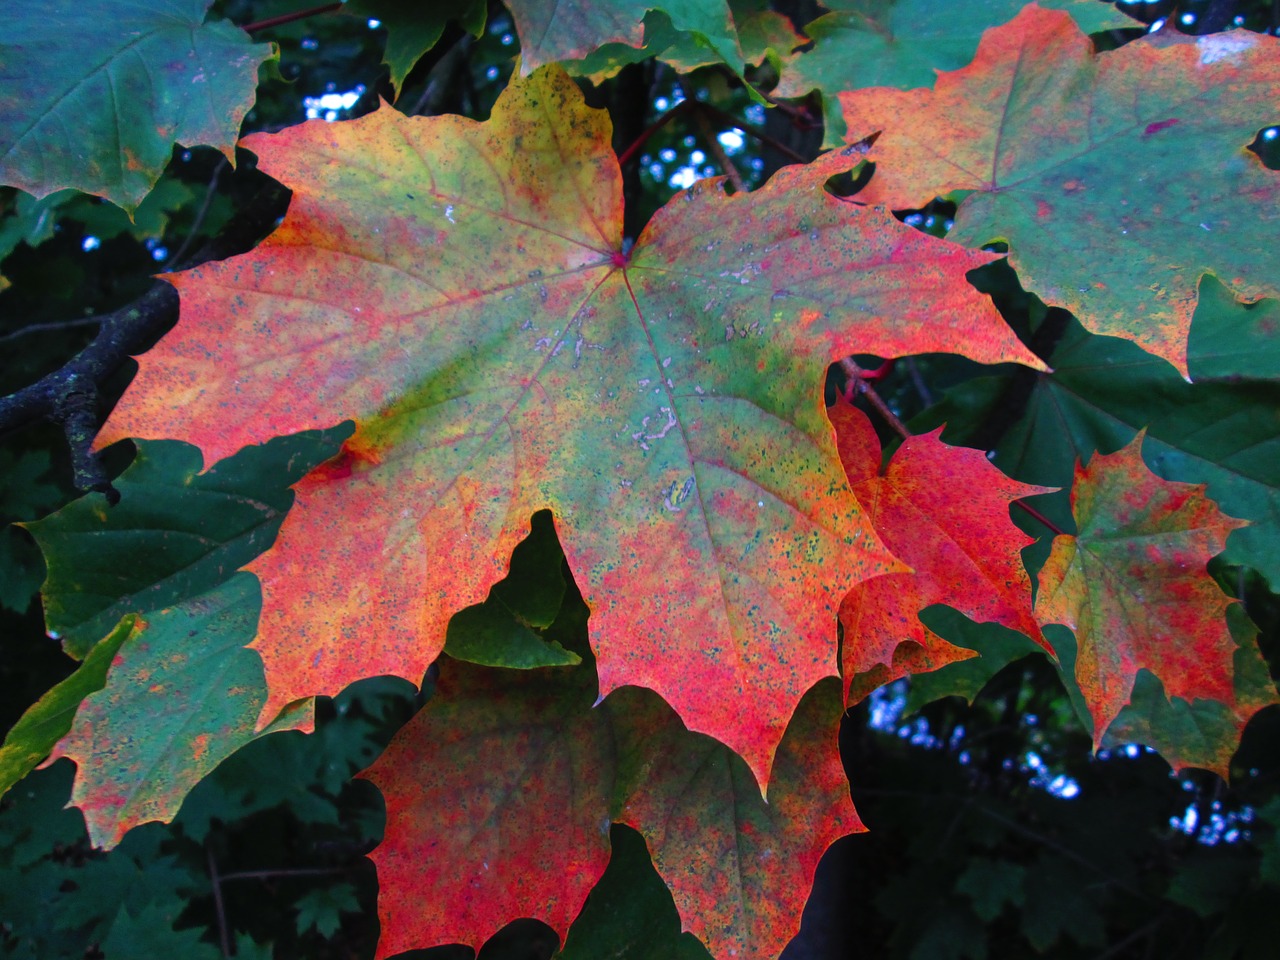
x,y
739,869
471,846
1132,585
460,290
498,799
1081,162
945,512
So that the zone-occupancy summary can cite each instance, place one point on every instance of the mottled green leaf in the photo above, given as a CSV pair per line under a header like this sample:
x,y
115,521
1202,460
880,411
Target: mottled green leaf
x,y
184,532
182,695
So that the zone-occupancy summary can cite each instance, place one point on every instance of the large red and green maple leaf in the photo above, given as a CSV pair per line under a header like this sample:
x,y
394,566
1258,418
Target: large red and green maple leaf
x,y
1078,161
462,292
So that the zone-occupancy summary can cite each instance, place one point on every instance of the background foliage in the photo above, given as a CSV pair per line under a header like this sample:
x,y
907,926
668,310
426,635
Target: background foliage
x,y
994,830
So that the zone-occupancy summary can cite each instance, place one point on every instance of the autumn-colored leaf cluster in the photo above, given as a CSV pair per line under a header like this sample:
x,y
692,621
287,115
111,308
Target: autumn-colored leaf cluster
x,y
448,335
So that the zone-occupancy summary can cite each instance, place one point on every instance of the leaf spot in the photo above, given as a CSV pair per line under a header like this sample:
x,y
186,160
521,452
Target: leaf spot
x,y
1223,46
674,501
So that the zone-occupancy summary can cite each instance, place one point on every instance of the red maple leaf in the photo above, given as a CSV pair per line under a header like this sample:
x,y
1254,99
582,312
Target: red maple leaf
x,y
945,512
470,846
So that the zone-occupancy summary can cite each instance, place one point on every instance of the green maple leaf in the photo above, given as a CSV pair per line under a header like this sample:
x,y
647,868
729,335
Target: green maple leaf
x,y
904,43
95,95
1080,162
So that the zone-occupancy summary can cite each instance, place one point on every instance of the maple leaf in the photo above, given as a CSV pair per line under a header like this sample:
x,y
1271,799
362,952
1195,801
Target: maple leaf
x,y
160,708
557,773
698,38
1132,586
904,43
95,95
944,511
1104,389
1202,732
460,290
1077,160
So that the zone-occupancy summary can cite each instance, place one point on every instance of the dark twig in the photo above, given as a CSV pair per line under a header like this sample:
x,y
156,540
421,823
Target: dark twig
x,y
54,325
224,934
69,395
917,381
1117,949
175,262
717,152
283,872
289,17
441,78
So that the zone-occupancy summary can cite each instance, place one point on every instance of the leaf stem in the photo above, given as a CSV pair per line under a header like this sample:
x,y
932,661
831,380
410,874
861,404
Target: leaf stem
x,y
1032,511
224,934
627,154
717,152
758,132
800,116
859,381
289,17
705,112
